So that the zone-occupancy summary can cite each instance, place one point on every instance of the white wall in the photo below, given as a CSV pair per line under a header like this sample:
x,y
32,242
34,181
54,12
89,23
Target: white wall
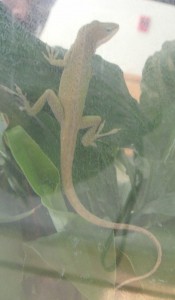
x,y
129,48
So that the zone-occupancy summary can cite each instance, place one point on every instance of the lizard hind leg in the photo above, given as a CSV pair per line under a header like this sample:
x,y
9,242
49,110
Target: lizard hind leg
x,y
95,126
92,124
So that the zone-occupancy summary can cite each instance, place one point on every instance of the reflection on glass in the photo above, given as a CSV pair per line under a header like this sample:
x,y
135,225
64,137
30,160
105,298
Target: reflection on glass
x,y
121,169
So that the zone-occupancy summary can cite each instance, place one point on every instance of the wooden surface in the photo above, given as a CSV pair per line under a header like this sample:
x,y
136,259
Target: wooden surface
x,y
133,84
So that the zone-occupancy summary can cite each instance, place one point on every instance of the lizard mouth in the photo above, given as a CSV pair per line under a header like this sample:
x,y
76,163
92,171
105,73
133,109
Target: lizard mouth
x,y
111,31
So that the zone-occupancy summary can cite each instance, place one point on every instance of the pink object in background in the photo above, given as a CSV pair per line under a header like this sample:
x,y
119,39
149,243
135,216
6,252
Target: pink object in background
x,y
144,23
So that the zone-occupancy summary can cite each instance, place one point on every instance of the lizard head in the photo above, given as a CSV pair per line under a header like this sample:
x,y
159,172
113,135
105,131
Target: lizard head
x,y
98,33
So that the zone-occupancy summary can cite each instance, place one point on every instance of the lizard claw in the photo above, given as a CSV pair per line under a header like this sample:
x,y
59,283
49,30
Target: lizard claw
x,y
51,55
18,92
99,135
90,138
23,97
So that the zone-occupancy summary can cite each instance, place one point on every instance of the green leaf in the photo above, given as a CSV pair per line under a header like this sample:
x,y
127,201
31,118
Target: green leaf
x,y
3,126
76,256
164,206
38,169
158,101
157,190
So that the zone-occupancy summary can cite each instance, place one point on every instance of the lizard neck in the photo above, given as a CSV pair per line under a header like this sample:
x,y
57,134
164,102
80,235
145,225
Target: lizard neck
x,y
85,45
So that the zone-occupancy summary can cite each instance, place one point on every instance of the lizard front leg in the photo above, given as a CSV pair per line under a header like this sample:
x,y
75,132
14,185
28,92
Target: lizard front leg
x,y
52,54
48,96
95,126
51,57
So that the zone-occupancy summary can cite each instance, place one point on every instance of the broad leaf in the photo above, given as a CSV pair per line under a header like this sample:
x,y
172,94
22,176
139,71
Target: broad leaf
x,y
76,254
38,169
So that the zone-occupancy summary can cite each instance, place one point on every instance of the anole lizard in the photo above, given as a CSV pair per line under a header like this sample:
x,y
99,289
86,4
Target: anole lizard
x,y
68,108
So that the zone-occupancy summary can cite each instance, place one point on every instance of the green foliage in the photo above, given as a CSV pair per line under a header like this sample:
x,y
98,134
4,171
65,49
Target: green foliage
x,y
39,170
74,246
75,253
11,263
143,194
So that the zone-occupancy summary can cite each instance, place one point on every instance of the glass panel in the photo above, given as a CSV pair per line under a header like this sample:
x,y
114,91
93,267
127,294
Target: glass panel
x,y
87,139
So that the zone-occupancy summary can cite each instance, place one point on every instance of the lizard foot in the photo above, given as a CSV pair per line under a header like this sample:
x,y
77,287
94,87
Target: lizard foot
x,y
99,135
52,57
91,136
25,105
51,54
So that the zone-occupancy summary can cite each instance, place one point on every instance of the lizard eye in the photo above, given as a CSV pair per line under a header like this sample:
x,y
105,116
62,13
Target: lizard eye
x,y
108,29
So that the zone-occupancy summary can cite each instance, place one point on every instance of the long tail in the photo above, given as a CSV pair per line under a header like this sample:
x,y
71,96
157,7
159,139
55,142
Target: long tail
x,y
83,212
